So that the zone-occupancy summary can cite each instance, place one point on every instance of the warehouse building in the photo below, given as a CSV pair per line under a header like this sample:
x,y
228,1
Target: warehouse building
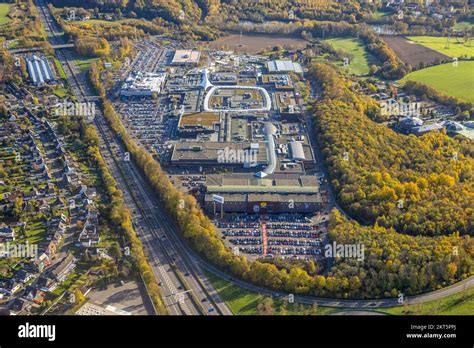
x,y
243,193
39,70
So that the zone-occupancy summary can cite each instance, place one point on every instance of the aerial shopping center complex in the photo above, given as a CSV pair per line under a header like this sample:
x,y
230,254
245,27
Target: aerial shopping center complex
x,y
236,137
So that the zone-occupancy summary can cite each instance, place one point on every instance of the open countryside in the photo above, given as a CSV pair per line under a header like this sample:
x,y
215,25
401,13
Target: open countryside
x,y
453,79
255,43
359,59
455,48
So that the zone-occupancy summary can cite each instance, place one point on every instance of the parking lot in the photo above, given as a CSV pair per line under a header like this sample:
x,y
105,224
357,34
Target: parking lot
x,y
148,125
127,298
284,234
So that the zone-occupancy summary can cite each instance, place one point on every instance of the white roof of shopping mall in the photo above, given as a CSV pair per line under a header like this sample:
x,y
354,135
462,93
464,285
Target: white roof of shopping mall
x,y
186,57
143,83
276,66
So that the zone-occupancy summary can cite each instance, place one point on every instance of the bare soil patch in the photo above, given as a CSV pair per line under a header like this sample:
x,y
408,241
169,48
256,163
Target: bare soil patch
x,y
255,43
412,53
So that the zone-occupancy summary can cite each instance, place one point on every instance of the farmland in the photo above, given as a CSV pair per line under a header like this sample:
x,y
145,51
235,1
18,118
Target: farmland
x,y
4,10
456,81
255,43
412,53
457,46
360,59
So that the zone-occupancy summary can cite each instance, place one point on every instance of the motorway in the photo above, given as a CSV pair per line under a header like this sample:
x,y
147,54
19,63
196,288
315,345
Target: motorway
x,y
185,289
174,263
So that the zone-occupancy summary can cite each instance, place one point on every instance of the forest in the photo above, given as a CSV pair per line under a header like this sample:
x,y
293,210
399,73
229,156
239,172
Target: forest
x,y
416,185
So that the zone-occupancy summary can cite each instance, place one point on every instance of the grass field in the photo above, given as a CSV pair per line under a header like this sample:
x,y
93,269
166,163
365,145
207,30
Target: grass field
x,y
4,10
60,92
457,47
59,68
84,64
244,302
457,304
456,81
360,59
97,21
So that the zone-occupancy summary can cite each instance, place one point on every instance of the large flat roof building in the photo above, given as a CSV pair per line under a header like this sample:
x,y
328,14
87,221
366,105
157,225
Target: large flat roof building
x,y
143,84
200,153
191,124
283,66
243,193
39,70
186,57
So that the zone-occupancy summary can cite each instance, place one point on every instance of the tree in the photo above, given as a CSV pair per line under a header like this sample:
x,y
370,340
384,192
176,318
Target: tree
x,y
116,251
265,306
78,295
18,206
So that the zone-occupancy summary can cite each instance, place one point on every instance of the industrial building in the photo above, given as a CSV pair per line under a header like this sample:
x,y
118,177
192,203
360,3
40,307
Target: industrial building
x,y
186,57
39,70
243,193
143,84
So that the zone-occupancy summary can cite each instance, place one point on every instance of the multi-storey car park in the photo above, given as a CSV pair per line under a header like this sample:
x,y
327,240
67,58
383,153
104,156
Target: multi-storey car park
x,y
231,132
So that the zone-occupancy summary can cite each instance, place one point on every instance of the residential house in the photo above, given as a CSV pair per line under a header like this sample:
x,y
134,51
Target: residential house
x,y
23,276
7,234
51,249
89,235
46,284
42,262
65,267
34,294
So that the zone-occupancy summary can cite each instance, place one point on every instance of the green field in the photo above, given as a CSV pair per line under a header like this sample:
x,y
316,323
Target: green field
x,y
84,64
96,21
4,10
60,92
380,14
457,47
456,81
102,22
457,304
244,302
360,59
